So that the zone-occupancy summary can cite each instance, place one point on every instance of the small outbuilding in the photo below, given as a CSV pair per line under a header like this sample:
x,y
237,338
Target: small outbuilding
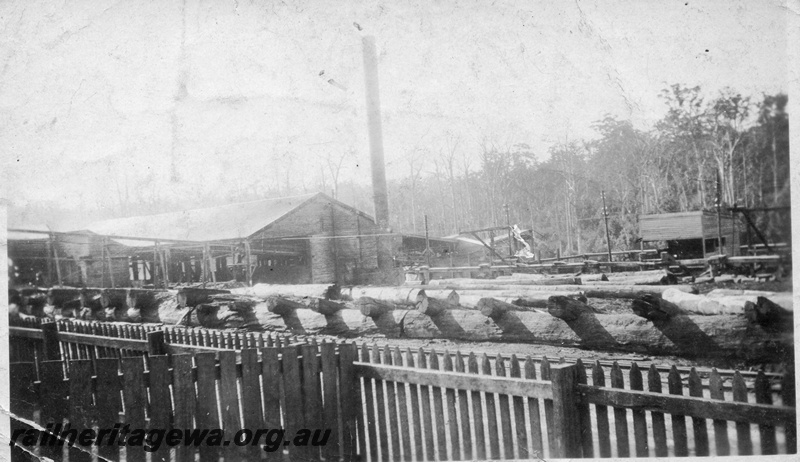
x,y
690,235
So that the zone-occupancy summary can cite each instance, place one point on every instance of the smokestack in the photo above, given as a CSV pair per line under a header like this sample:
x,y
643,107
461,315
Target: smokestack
x,y
379,194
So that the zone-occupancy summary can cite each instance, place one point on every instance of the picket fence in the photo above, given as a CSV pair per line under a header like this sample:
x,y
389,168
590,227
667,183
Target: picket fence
x,y
382,403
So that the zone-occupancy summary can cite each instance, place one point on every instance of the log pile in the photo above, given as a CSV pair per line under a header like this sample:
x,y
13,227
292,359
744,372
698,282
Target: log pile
x,y
724,302
654,277
663,319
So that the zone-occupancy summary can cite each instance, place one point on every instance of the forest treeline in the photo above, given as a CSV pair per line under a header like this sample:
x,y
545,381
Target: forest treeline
x,y
731,145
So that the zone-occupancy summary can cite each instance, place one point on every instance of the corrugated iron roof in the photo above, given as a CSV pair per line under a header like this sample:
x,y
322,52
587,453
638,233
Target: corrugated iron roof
x,y
231,221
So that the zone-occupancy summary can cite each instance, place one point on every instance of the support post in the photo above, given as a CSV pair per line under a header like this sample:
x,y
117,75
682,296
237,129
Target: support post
x,y
605,218
50,261
110,263
54,245
155,266
204,265
427,244
703,234
165,266
508,225
247,262
52,351
491,247
212,266
103,264
566,418
334,248
155,343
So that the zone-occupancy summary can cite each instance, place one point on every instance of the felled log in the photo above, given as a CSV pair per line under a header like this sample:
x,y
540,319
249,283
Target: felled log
x,y
502,283
720,303
193,296
239,301
282,305
113,298
567,308
652,277
324,306
719,337
434,306
767,313
58,296
374,308
494,308
588,278
90,298
344,323
590,290
632,292
329,291
523,276
396,295
33,302
656,308
226,315
783,299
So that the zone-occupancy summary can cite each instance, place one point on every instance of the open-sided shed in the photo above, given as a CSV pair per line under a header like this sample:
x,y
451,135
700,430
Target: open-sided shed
x,y
311,238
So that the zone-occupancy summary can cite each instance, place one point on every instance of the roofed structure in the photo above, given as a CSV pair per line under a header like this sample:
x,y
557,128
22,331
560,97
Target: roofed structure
x,y
691,234
311,238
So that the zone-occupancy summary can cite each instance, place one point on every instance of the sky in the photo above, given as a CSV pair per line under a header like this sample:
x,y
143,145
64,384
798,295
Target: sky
x,y
177,97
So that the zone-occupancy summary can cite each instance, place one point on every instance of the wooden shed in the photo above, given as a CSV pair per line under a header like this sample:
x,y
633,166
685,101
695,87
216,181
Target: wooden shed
x,y
692,234
73,259
311,238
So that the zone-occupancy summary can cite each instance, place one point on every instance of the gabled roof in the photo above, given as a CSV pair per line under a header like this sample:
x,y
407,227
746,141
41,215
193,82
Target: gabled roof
x,y
226,222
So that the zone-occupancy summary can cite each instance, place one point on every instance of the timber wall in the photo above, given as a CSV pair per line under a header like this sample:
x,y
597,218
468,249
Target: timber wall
x,y
342,245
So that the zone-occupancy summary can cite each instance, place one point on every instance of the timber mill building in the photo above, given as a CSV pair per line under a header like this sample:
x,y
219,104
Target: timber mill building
x,y
311,238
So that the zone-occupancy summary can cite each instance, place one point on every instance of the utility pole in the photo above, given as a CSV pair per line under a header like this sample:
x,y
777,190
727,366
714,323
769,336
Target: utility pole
x,y
718,204
508,225
605,218
427,244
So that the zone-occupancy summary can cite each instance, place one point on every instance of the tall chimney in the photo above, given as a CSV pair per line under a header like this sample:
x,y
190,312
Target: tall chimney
x,y
379,194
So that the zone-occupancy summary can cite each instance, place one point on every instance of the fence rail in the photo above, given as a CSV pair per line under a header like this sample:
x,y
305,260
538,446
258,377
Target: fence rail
x,y
300,388
390,404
